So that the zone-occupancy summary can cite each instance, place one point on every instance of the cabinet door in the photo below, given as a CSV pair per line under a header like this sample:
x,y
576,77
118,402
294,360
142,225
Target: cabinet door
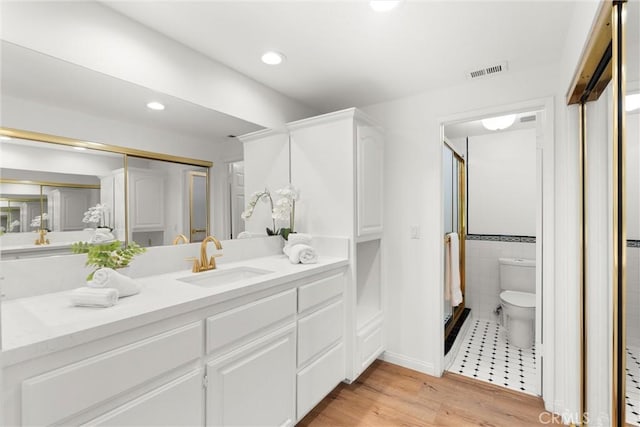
x,y
146,201
370,151
178,403
254,385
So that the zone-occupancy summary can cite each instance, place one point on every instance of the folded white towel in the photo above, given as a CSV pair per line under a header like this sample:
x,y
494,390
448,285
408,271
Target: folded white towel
x,y
298,239
92,297
110,278
304,254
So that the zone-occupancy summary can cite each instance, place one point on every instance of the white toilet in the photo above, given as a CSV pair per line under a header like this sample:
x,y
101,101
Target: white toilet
x,y
518,299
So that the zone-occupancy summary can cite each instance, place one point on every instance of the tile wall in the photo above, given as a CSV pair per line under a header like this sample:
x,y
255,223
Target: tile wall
x,y
482,274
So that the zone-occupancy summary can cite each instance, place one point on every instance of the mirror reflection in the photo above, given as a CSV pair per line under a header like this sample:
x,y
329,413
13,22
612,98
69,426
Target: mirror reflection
x,y
165,200
50,187
38,96
632,106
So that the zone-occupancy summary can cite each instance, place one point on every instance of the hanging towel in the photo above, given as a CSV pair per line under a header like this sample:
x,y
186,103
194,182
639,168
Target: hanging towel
x,y
452,273
109,278
92,297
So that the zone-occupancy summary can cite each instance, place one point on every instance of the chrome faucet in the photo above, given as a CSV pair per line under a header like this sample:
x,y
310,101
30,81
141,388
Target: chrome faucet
x,y
205,264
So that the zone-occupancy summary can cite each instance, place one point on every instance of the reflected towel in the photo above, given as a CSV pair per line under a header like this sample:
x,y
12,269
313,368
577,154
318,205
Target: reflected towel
x,y
299,253
92,297
109,278
452,273
102,236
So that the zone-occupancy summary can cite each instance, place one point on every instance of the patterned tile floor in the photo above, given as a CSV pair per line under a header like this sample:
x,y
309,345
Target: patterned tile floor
x,y
633,385
486,355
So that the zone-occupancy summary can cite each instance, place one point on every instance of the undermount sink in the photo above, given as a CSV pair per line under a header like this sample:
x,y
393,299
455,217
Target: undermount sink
x,y
224,277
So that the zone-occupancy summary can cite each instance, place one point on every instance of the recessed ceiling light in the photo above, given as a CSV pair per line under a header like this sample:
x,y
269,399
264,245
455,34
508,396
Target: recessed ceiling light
x,y
384,5
5,138
498,123
632,102
79,148
272,58
155,106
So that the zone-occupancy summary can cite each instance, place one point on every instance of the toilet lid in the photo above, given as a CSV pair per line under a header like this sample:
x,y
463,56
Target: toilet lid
x,y
520,299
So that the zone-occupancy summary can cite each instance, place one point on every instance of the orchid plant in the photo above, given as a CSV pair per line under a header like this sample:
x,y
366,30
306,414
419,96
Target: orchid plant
x,y
283,209
96,215
39,220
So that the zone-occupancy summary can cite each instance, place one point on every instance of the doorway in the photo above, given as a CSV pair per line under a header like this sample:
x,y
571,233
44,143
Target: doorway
x,y
504,234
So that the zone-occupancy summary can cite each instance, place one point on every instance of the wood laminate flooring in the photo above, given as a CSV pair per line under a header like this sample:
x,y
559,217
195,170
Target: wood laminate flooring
x,y
390,395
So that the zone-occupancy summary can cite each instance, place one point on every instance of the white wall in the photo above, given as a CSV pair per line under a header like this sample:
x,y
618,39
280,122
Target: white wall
x,y
96,37
501,172
413,181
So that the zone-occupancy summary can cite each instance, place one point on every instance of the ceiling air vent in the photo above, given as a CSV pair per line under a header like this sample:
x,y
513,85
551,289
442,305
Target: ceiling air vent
x,y
487,71
525,119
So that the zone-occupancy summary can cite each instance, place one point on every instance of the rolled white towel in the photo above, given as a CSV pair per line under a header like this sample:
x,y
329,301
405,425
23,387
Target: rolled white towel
x,y
110,278
102,236
298,239
93,297
304,254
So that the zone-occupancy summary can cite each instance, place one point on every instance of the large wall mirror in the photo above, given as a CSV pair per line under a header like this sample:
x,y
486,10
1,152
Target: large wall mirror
x,y
47,178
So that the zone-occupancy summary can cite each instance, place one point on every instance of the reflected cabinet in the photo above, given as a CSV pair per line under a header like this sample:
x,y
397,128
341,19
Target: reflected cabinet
x,y
66,189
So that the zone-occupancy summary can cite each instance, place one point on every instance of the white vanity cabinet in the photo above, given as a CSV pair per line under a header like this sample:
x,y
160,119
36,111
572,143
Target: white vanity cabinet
x,y
93,388
321,359
264,358
337,158
369,182
251,374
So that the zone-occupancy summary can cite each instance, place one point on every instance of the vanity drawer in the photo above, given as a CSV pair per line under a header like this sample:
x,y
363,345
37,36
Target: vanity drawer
x,y
319,330
178,403
318,379
233,325
50,398
321,290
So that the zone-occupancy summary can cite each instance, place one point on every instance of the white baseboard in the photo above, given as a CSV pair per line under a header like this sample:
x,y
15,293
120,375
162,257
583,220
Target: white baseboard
x,y
409,362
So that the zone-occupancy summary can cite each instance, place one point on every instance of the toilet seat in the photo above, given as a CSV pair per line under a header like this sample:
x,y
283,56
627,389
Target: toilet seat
x,y
519,299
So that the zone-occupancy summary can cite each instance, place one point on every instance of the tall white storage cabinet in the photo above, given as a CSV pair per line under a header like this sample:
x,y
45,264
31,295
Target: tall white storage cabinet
x,y
337,163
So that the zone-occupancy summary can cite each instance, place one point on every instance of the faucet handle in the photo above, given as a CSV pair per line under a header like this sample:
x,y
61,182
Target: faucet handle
x,y
196,264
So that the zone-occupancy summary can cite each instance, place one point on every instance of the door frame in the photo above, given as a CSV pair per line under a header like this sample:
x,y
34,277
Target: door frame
x,y
545,229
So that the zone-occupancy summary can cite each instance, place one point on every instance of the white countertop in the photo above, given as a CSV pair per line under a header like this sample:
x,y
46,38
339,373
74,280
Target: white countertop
x,y
43,324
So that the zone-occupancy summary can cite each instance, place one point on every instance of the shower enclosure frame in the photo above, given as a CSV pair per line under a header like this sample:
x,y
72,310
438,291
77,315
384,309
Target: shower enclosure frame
x,y
602,63
462,233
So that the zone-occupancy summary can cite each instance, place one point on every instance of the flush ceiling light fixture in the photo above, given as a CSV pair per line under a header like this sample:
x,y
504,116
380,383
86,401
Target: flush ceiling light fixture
x,y
272,58
154,105
384,5
632,102
499,123
5,138
80,148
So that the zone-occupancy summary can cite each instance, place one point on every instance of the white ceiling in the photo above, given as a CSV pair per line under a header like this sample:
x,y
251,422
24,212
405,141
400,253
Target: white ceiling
x,y
475,128
342,54
31,75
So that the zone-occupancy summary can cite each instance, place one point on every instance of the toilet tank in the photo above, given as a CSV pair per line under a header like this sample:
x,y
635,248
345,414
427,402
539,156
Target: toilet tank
x,y
517,274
